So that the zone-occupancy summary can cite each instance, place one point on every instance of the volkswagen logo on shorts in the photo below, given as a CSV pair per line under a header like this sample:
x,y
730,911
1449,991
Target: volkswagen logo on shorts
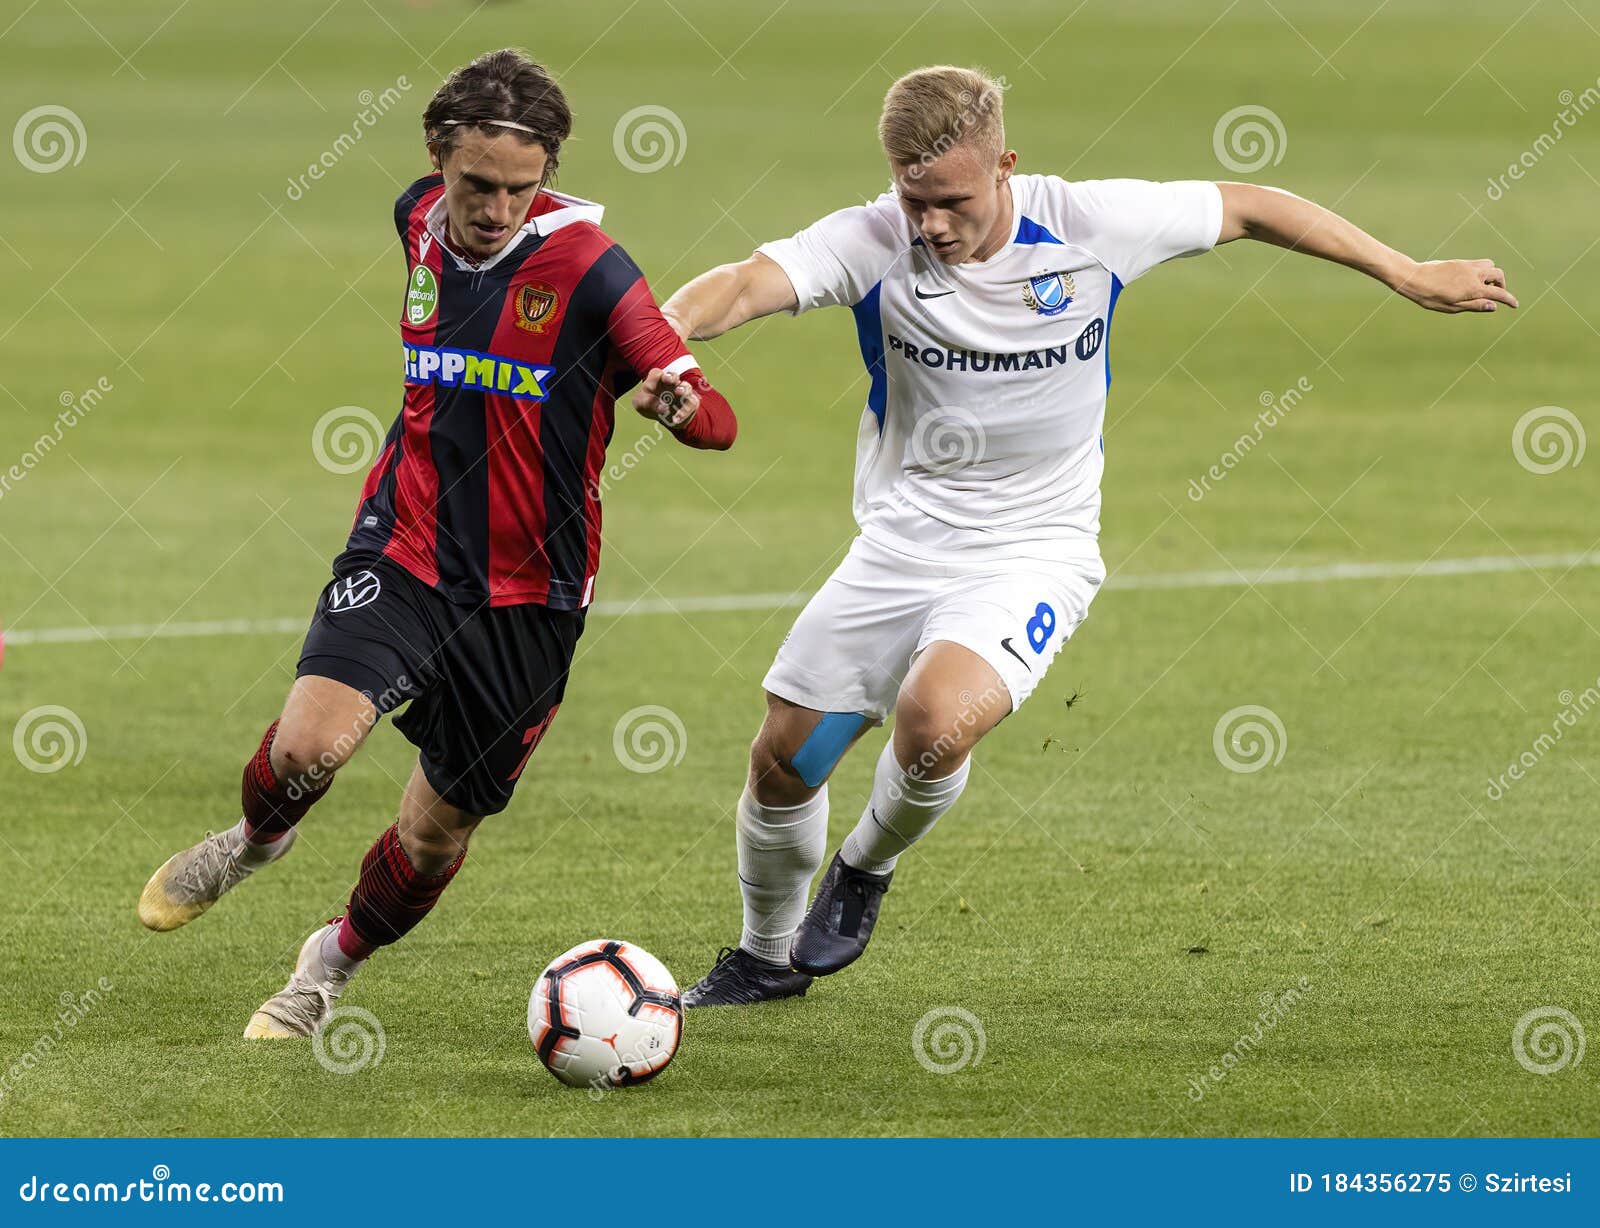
x,y
1089,339
353,592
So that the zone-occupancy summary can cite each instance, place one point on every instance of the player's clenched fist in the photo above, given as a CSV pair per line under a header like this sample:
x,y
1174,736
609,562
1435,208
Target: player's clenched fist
x,y
688,406
666,398
1457,285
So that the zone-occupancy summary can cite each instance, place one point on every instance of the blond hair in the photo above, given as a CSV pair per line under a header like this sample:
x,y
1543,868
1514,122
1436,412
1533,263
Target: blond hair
x,y
930,111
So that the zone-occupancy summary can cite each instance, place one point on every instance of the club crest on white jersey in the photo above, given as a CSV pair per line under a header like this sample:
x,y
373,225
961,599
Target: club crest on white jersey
x,y
1049,294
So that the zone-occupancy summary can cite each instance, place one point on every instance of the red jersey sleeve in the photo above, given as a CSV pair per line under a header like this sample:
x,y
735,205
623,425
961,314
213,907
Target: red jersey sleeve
x,y
646,341
641,333
713,425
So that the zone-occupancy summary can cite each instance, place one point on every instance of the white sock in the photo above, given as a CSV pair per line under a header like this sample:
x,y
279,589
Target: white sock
x,y
903,809
780,848
333,954
257,854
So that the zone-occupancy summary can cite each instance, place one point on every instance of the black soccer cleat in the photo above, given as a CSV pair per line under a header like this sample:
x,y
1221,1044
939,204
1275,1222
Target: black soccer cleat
x,y
738,978
840,919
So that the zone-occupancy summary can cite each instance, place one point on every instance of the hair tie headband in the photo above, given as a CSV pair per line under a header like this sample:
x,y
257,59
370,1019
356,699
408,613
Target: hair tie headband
x,y
492,123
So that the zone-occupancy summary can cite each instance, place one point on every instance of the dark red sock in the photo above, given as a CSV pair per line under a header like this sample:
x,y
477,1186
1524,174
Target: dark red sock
x,y
271,808
390,898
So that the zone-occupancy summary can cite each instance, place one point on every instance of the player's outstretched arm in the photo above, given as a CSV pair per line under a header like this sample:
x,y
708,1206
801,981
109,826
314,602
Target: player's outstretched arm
x,y
728,296
1274,216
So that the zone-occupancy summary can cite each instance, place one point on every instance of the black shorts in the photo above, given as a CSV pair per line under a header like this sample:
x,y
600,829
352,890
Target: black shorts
x,y
483,681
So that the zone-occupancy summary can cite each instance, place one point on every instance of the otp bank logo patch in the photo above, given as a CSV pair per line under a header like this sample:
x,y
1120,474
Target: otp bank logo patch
x,y
452,368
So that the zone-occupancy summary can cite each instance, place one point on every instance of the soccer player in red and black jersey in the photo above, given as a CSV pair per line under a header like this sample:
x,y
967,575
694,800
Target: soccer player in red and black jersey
x,y
463,586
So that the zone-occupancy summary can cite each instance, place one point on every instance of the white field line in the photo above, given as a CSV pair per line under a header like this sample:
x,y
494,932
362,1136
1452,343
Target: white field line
x,y
777,601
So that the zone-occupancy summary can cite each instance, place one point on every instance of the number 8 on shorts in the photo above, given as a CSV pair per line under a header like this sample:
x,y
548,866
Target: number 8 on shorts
x,y
1041,626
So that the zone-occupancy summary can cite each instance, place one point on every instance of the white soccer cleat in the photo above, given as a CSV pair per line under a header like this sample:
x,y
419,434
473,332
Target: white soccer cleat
x,y
192,881
304,1004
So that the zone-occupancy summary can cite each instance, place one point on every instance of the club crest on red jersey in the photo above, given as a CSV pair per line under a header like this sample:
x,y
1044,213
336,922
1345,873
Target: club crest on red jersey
x,y
535,304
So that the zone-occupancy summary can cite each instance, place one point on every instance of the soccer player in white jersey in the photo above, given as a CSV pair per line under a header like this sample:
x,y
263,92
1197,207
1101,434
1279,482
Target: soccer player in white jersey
x,y
983,302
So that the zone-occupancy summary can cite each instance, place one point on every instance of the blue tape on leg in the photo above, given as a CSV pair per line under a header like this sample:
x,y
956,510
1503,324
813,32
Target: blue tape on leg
x,y
825,746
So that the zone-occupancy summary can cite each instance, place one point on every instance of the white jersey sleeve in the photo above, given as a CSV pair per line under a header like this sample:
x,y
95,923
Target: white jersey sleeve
x,y
1132,225
836,261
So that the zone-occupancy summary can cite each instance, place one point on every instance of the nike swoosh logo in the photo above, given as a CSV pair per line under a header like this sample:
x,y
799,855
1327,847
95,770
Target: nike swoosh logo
x,y
941,293
1006,644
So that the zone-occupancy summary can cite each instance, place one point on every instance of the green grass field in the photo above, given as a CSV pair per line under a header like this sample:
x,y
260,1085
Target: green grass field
x,y
1110,901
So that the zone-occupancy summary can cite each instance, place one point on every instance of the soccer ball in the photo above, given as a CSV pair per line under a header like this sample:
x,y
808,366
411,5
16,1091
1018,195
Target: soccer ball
x,y
605,1014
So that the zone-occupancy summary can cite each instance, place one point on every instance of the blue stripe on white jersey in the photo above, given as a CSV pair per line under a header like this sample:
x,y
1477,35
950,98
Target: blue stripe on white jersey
x,y
869,335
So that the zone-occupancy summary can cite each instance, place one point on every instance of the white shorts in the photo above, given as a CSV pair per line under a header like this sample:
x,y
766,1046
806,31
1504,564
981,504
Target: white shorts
x,y
855,641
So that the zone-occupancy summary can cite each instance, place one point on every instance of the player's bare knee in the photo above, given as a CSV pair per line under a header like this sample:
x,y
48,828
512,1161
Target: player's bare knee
x,y
932,740
433,844
323,742
435,858
324,723
773,780
304,757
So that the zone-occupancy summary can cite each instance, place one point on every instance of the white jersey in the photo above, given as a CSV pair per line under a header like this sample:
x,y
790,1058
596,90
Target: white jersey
x,y
981,438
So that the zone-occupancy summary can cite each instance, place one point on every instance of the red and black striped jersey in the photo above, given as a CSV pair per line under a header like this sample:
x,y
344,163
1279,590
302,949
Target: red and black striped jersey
x,y
487,487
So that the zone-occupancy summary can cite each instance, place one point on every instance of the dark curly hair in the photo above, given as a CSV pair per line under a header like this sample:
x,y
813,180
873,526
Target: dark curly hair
x,y
500,85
